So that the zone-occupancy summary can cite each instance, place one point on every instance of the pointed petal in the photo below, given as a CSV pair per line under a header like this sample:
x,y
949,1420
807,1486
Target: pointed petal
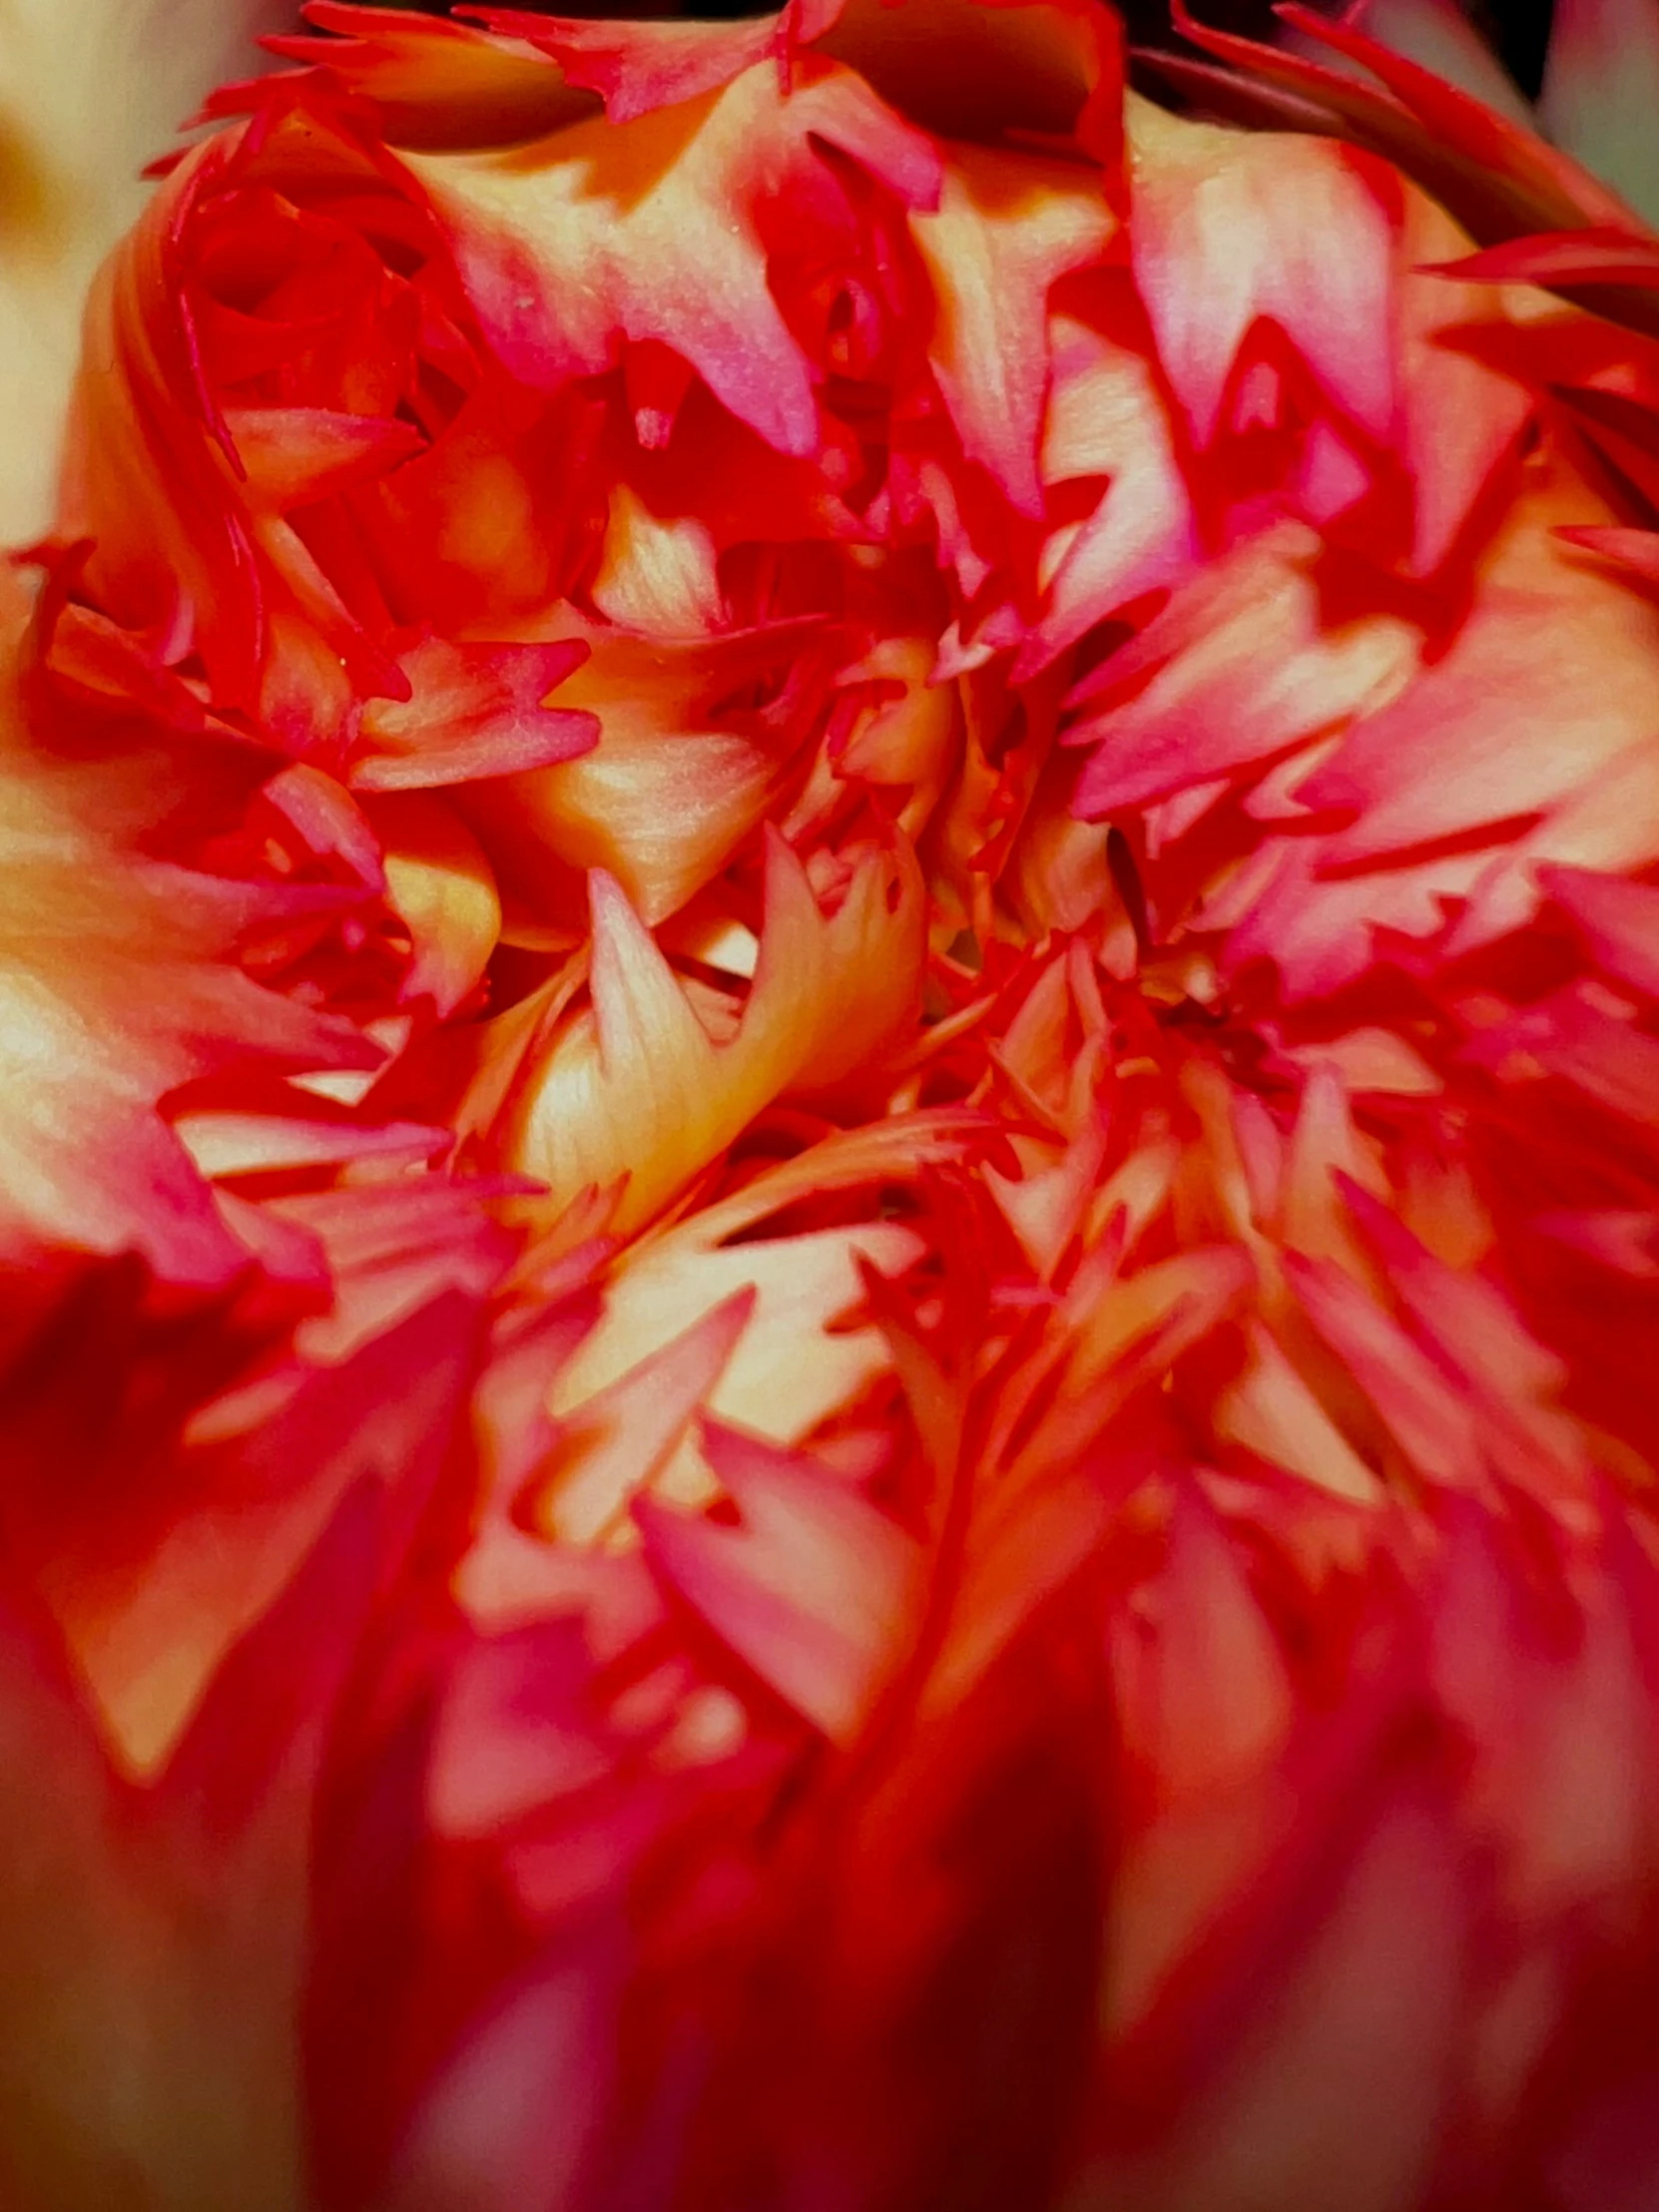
x,y
1438,36
477,710
1619,918
151,1623
612,1444
1571,652
637,1086
1431,1419
1562,259
1496,179
594,236
1242,666
1006,227
1106,418
1229,226
637,67
435,82
440,885
815,1588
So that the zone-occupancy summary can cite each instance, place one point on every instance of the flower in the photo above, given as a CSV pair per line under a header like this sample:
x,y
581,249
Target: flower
x,y
896,971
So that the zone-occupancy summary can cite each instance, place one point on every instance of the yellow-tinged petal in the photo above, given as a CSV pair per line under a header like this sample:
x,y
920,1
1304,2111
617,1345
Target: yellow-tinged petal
x,y
656,577
1006,227
440,887
714,1315
117,983
636,1085
1270,1410
1106,419
1243,665
676,783
653,230
786,1373
619,1439
1547,680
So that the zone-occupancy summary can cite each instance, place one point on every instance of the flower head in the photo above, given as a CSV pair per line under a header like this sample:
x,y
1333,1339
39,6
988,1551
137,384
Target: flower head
x,y
915,1466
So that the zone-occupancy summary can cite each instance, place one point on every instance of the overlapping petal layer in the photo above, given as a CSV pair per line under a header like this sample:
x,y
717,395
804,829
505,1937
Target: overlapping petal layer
x,y
854,1406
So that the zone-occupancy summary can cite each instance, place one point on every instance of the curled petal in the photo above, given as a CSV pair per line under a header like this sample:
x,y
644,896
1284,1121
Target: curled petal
x,y
1006,227
653,231
1497,180
1215,245
439,884
639,1086
815,1588
1438,36
1563,259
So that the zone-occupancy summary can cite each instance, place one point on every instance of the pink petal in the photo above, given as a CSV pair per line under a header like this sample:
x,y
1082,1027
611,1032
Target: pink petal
x,y
1619,920
813,1589
477,710
1228,228
1562,259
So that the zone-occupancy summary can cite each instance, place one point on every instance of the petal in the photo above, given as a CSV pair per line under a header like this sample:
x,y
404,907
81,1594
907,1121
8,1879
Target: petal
x,y
1106,418
477,710
1006,227
1496,179
637,67
1430,1418
1619,918
434,82
515,2112
639,1087
614,1444
793,1367
439,884
815,1588
677,780
1569,653
1229,226
1240,665
1269,1409
118,981
1439,37
651,229
150,1622
970,71
1562,259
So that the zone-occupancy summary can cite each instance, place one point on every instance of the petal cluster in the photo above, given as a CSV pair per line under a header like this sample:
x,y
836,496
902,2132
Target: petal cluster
x,y
832,1181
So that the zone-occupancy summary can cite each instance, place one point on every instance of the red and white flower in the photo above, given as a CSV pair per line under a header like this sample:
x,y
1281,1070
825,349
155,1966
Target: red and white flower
x,y
835,1235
